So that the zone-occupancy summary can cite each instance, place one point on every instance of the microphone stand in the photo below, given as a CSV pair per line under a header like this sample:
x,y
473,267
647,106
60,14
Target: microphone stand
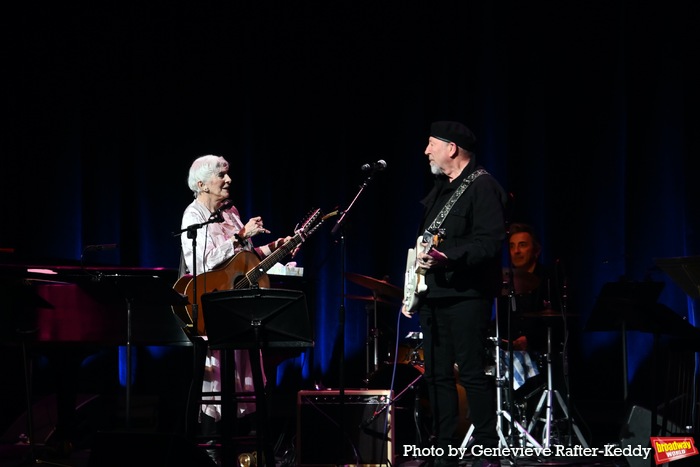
x,y
565,353
199,344
511,311
341,310
192,234
391,401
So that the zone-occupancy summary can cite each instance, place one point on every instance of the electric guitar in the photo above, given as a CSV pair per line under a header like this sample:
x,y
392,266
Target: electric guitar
x,y
414,283
244,270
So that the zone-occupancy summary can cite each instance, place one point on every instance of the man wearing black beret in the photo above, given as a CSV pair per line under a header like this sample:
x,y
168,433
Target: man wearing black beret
x,y
458,269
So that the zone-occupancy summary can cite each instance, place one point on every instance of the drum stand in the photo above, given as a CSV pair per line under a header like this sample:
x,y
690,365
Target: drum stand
x,y
500,412
547,397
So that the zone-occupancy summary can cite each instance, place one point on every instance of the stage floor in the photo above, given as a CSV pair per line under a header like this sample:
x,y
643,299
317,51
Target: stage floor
x,y
144,445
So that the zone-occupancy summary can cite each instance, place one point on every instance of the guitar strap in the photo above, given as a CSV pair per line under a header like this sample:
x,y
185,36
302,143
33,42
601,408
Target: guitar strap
x,y
439,219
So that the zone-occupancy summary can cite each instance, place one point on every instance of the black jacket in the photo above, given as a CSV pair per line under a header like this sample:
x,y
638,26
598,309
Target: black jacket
x,y
474,235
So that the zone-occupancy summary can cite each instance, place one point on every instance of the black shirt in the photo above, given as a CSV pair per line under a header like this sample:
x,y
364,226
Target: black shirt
x,y
474,234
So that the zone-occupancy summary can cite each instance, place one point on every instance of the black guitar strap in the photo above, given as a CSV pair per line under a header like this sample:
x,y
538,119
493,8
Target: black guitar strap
x,y
440,218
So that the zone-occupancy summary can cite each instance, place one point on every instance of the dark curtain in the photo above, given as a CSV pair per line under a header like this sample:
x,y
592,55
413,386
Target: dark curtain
x,y
585,112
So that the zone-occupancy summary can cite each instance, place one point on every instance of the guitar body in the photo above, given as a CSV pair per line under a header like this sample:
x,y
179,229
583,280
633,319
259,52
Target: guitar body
x,y
244,270
226,277
415,277
184,312
414,282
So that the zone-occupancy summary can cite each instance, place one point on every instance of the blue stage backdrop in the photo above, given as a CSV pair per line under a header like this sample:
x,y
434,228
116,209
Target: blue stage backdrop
x,y
586,112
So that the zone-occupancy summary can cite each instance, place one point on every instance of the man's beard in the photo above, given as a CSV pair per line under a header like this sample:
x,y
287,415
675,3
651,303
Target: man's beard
x,y
435,170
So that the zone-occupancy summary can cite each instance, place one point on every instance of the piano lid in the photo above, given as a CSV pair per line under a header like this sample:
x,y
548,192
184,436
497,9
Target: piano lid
x,y
66,304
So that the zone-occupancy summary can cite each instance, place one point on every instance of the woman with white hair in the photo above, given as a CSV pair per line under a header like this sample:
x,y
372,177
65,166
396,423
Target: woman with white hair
x,y
216,243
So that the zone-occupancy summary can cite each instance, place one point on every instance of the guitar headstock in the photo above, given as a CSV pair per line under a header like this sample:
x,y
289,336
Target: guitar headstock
x,y
311,223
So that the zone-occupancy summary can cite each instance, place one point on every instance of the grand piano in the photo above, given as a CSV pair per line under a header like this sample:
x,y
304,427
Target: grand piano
x,y
52,313
89,305
97,305
51,307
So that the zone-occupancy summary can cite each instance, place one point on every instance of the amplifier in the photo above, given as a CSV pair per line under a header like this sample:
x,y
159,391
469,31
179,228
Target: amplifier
x,y
361,434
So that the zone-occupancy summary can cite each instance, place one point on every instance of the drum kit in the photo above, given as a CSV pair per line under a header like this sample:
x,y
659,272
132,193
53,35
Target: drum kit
x,y
402,370
528,304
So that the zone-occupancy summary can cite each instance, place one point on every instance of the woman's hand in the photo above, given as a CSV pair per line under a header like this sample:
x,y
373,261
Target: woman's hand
x,y
253,227
281,241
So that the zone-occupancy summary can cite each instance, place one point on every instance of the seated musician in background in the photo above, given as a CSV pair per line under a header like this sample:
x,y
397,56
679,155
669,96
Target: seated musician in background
x,y
530,283
524,248
534,283
540,307
216,243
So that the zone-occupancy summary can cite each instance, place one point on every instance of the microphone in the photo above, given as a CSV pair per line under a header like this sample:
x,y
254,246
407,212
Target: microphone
x,y
374,166
224,206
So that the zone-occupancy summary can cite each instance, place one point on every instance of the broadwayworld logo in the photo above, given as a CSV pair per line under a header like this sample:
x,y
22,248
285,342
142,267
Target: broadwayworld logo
x,y
671,448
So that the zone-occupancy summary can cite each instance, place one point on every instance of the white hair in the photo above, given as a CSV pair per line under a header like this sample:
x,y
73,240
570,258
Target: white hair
x,y
203,168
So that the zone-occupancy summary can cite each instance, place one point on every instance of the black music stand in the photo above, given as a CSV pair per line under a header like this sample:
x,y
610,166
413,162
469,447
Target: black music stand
x,y
685,272
625,306
253,319
141,290
632,306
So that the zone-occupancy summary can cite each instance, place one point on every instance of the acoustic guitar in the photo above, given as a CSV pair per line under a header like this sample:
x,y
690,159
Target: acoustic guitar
x,y
244,270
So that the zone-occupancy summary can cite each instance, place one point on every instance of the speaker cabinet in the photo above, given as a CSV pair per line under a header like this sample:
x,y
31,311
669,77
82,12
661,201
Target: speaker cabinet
x,y
355,431
118,449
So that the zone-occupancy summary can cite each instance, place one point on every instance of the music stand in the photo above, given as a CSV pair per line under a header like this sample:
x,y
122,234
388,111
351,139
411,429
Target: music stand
x,y
142,290
253,319
632,306
624,306
685,272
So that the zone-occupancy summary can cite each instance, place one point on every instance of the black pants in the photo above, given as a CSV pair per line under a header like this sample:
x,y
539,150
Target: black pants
x,y
455,333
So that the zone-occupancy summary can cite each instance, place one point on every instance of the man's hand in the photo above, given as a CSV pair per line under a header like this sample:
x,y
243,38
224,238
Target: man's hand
x,y
433,259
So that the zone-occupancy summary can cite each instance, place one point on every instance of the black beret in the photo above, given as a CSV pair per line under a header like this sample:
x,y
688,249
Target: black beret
x,y
454,132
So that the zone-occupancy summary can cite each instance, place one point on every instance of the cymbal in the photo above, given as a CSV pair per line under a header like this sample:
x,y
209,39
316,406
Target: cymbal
x,y
379,286
523,281
367,298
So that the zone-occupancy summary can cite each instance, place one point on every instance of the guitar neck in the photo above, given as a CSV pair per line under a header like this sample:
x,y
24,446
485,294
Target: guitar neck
x,y
254,275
